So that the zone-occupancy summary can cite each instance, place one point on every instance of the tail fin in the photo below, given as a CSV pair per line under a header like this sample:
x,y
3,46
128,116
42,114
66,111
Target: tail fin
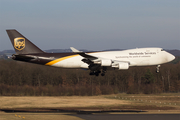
x,y
21,44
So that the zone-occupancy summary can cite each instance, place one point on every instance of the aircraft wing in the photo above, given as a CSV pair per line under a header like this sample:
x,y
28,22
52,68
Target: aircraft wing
x,y
83,54
89,59
103,62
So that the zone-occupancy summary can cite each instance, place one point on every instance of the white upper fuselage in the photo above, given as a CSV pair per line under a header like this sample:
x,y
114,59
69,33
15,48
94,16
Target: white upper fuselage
x,y
134,57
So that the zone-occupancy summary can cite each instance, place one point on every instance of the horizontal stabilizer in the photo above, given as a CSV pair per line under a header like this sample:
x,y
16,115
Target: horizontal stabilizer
x,y
22,57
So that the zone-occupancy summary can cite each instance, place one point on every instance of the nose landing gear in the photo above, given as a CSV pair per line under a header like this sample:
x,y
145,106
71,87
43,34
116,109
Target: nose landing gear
x,y
157,68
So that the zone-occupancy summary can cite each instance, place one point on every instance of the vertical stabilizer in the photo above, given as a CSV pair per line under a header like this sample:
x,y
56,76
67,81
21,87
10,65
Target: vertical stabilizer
x,y
21,44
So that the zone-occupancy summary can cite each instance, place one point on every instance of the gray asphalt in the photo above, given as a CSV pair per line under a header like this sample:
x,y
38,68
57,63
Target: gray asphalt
x,y
129,116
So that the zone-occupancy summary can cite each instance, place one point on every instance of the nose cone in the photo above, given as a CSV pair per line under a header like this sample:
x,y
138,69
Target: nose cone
x,y
170,57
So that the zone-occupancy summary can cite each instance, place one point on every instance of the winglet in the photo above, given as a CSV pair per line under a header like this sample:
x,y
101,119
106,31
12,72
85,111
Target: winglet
x,y
75,50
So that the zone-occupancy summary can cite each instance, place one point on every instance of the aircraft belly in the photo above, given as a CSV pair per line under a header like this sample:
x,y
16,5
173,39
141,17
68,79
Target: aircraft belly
x,y
152,60
74,62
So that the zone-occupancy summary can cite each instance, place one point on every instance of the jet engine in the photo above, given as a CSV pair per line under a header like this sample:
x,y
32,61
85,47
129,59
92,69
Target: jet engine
x,y
118,65
104,62
121,65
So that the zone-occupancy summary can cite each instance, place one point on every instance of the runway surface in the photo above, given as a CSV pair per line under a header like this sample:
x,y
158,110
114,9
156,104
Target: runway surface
x,y
92,115
130,117
86,116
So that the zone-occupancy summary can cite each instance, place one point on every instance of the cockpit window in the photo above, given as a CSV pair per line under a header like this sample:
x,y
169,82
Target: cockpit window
x,y
162,49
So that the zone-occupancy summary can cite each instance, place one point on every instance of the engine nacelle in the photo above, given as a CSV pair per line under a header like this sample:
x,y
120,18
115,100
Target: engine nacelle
x,y
103,62
106,62
123,66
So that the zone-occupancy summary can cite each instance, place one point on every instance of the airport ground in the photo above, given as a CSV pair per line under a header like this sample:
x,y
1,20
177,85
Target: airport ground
x,y
160,106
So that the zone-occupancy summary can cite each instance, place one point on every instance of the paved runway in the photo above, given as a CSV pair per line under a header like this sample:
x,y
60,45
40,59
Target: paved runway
x,y
96,115
130,116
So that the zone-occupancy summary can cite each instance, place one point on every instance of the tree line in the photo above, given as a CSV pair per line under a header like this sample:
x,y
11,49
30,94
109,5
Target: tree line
x,y
26,79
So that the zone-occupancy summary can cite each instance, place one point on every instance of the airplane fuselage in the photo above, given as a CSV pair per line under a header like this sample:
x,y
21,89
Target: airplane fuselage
x,y
134,57
96,62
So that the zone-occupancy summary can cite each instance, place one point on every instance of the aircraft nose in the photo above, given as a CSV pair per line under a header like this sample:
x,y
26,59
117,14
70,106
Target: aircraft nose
x,y
170,57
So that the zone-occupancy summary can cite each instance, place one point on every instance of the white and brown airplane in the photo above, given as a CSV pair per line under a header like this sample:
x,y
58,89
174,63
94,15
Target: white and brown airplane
x,y
96,62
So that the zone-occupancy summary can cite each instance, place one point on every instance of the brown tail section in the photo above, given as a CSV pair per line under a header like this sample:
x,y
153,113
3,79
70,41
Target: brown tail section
x,y
21,44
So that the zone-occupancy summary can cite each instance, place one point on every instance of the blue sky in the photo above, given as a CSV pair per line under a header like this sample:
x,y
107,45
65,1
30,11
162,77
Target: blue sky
x,y
92,24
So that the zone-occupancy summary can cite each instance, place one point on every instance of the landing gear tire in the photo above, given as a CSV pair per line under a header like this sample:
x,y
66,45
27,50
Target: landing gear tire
x,y
96,73
91,73
102,74
103,71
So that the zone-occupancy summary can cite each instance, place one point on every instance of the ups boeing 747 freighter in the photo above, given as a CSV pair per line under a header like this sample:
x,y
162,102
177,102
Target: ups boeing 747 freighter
x,y
96,62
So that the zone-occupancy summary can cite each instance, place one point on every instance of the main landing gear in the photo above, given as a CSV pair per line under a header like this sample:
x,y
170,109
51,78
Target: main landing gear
x,y
97,72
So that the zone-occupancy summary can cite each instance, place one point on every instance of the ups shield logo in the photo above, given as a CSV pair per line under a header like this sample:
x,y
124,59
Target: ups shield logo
x,y
19,43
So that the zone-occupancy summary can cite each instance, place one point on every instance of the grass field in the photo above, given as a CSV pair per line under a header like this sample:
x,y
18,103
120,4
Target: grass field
x,y
160,102
58,107
36,116
58,102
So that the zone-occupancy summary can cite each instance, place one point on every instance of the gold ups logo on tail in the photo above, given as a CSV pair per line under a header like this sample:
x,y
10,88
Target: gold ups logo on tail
x,y
19,43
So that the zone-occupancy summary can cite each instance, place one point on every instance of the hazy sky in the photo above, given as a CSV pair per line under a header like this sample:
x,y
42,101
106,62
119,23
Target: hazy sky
x,y
92,24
